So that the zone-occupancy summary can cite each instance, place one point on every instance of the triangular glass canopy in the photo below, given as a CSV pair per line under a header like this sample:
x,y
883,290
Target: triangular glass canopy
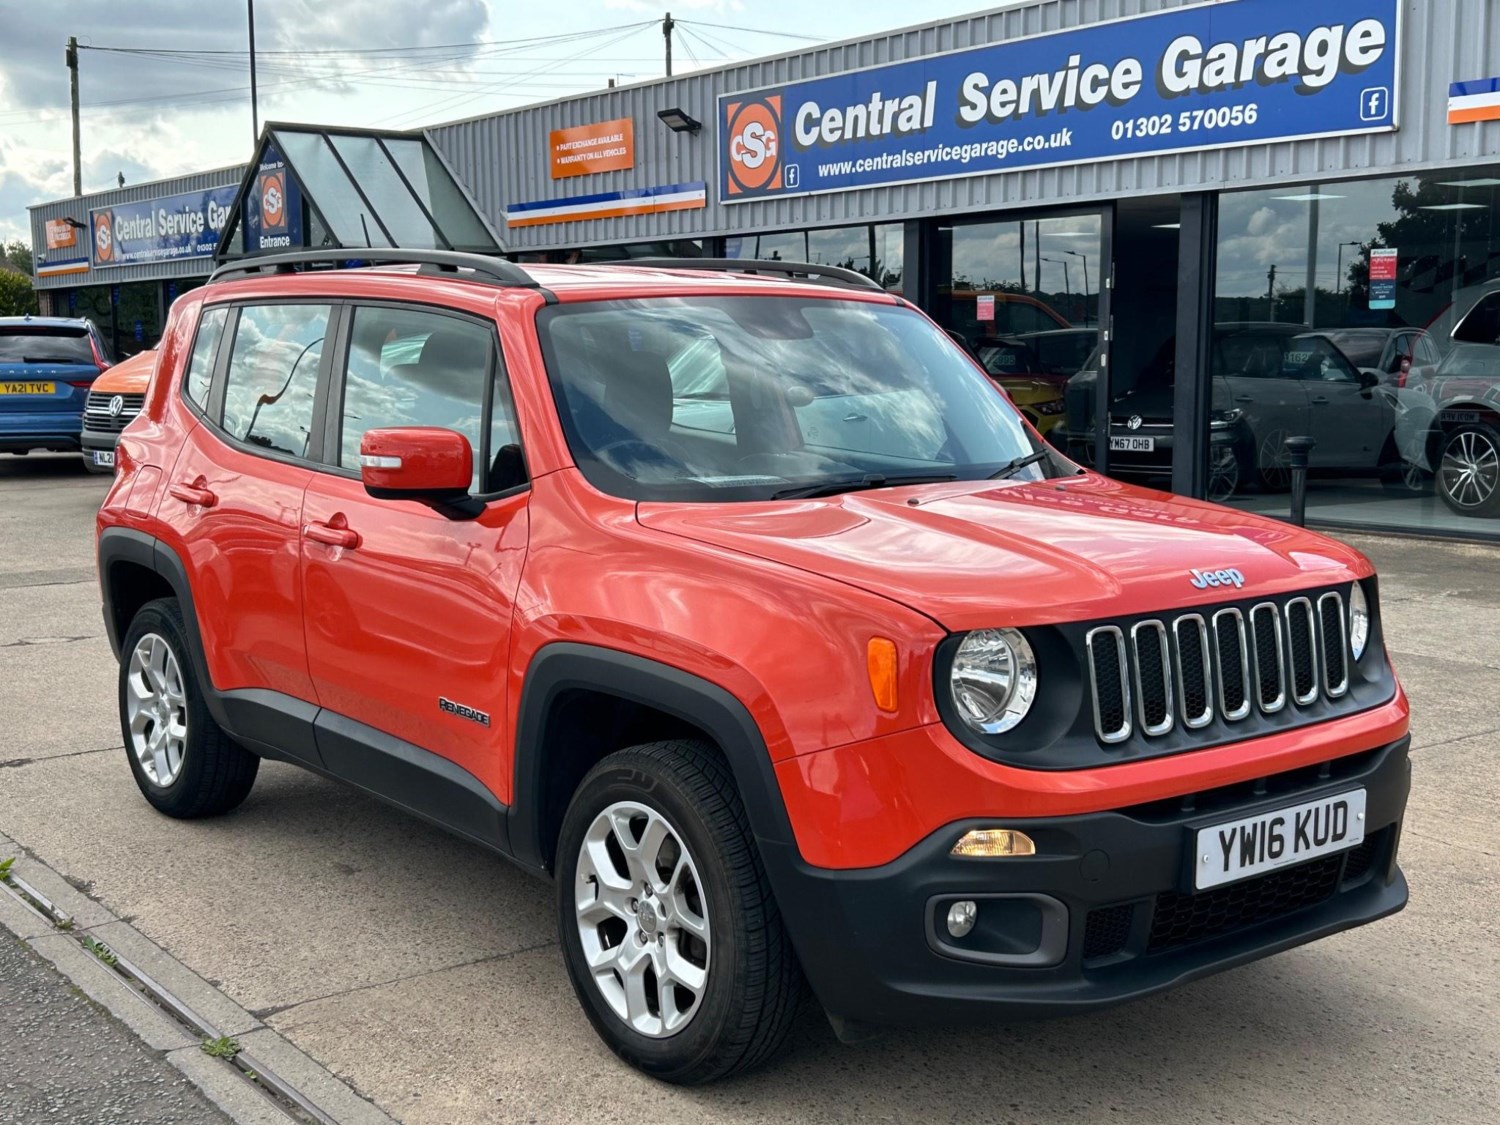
x,y
313,187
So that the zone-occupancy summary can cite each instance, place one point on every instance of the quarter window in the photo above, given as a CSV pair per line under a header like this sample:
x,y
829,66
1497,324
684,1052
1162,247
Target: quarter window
x,y
273,376
200,370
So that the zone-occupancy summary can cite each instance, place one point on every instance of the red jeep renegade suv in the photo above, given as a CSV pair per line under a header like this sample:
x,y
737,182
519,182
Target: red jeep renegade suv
x,y
734,598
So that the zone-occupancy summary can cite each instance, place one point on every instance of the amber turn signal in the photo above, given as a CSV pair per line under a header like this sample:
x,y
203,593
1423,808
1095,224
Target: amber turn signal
x,y
993,843
880,659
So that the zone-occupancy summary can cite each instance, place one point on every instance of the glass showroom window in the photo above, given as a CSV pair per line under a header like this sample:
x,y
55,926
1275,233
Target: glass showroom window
x,y
878,252
1365,315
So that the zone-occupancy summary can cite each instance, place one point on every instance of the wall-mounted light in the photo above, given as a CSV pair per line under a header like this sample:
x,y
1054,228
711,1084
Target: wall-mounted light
x,y
679,120
74,223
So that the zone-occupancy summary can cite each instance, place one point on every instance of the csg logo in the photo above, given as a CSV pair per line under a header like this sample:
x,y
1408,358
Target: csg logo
x,y
104,236
754,133
272,201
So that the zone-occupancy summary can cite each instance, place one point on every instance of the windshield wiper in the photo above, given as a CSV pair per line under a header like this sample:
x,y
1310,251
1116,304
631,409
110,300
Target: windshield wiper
x,y
1011,468
858,484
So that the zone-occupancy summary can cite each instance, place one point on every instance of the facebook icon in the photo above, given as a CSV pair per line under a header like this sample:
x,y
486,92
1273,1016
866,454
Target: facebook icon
x,y
1374,104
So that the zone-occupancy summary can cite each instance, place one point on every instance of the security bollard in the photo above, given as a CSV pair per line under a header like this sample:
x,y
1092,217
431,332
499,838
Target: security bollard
x,y
1297,449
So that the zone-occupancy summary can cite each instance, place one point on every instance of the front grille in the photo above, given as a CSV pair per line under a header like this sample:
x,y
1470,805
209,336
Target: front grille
x,y
1184,918
1362,858
1107,930
1191,669
97,417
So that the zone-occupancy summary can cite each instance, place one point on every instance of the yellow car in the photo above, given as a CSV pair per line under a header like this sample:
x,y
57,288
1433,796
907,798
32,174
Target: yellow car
x,y
1040,400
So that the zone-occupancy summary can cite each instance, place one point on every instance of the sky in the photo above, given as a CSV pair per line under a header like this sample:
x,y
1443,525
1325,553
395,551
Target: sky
x,y
147,114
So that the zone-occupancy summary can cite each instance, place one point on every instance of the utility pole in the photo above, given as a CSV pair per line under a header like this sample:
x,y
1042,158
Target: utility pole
x,y
254,104
666,30
1271,293
72,59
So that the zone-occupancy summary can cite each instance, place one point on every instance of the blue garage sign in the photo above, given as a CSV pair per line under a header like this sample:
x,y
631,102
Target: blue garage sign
x,y
1211,75
159,230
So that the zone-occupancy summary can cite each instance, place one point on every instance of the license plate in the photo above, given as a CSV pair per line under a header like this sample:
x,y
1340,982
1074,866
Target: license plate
x,y
1238,849
1132,444
28,388
104,458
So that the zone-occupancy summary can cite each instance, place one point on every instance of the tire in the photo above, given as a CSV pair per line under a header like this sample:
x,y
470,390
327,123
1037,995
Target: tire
x,y
1468,470
677,799
193,770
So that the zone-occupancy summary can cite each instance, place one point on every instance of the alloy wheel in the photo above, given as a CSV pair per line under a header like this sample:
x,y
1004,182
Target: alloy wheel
x,y
1275,461
156,708
1223,474
643,919
1470,470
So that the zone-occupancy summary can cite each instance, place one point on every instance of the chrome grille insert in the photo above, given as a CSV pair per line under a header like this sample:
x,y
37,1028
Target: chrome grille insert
x,y
1194,667
1269,653
1109,683
1302,659
1333,638
1232,664
1153,676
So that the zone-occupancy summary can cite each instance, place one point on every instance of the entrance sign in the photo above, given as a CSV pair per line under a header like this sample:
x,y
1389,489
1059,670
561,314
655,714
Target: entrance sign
x,y
158,230
1211,75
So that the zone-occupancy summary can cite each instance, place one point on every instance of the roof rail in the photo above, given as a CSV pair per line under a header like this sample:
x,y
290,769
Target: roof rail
x,y
490,271
791,271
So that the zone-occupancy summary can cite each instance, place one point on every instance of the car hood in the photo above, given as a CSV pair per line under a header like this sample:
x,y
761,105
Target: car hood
x,y
974,554
128,377
1154,404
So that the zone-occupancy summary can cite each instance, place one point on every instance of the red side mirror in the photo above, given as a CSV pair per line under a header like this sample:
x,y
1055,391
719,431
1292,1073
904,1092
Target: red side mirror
x,y
422,463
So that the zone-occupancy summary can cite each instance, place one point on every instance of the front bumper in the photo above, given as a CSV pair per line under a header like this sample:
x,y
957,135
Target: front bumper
x,y
1104,913
97,439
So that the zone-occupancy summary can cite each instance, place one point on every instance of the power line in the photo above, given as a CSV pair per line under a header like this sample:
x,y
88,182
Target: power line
x,y
753,30
373,50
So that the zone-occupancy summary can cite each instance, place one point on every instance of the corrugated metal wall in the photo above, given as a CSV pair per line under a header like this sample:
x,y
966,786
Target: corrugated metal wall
x,y
503,157
78,208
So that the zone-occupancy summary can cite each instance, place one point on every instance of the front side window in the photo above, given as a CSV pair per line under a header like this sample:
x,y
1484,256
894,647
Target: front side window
x,y
413,368
273,376
200,371
722,398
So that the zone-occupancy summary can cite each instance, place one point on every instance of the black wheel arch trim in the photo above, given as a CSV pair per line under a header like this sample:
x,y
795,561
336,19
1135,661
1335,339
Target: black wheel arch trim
x,y
563,666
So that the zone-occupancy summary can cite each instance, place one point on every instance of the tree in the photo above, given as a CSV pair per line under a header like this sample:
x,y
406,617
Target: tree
x,y
17,297
18,254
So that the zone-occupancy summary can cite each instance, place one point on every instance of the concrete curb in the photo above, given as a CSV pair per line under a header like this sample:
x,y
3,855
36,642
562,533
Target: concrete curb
x,y
221,1081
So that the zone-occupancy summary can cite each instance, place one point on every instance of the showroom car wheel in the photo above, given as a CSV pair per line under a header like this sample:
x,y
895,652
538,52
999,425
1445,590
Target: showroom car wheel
x,y
1468,474
1274,462
672,940
182,761
1223,473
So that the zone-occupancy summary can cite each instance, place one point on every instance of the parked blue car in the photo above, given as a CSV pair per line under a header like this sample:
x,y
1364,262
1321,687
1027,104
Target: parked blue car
x,y
47,365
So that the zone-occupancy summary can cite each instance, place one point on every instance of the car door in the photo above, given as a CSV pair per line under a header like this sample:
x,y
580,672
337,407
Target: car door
x,y
1351,418
234,496
1262,382
408,610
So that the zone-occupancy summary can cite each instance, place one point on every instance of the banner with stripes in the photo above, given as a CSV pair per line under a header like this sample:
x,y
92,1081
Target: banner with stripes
x,y
609,204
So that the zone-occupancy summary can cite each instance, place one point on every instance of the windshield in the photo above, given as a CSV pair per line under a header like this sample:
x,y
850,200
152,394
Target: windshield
x,y
721,398
38,344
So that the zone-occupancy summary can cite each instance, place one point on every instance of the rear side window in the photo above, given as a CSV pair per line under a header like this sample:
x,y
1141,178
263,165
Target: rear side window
x,y
200,370
39,344
412,368
273,376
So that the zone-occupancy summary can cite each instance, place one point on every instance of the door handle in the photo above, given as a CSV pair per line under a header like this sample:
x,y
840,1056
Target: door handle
x,y
1320,401
1244,398
333,536
193,493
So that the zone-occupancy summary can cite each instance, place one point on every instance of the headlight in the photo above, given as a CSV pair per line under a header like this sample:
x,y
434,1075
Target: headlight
x,y
1224,417
993,679
1359,621
1056,406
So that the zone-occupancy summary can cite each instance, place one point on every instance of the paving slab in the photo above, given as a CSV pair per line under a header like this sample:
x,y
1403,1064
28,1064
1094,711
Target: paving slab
x,y
59,699
308,889
47,612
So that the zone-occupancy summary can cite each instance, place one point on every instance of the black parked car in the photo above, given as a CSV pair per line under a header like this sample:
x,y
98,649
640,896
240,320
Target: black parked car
x,y
1270,382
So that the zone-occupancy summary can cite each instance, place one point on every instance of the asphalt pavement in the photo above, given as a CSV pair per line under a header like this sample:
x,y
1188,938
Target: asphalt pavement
x,y
424,973
64,1059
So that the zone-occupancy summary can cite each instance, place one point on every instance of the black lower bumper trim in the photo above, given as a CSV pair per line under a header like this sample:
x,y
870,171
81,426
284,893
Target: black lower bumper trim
x,y
1134,924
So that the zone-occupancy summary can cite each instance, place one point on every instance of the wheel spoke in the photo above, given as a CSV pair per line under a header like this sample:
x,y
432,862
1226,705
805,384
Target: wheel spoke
x,y
684,972
637,1006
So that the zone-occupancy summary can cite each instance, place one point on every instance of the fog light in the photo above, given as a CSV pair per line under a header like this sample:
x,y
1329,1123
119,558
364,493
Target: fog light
x,y
994,842
961,918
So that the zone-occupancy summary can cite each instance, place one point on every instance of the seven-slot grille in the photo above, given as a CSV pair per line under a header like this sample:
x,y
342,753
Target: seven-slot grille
x,y
1191,667
96,415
